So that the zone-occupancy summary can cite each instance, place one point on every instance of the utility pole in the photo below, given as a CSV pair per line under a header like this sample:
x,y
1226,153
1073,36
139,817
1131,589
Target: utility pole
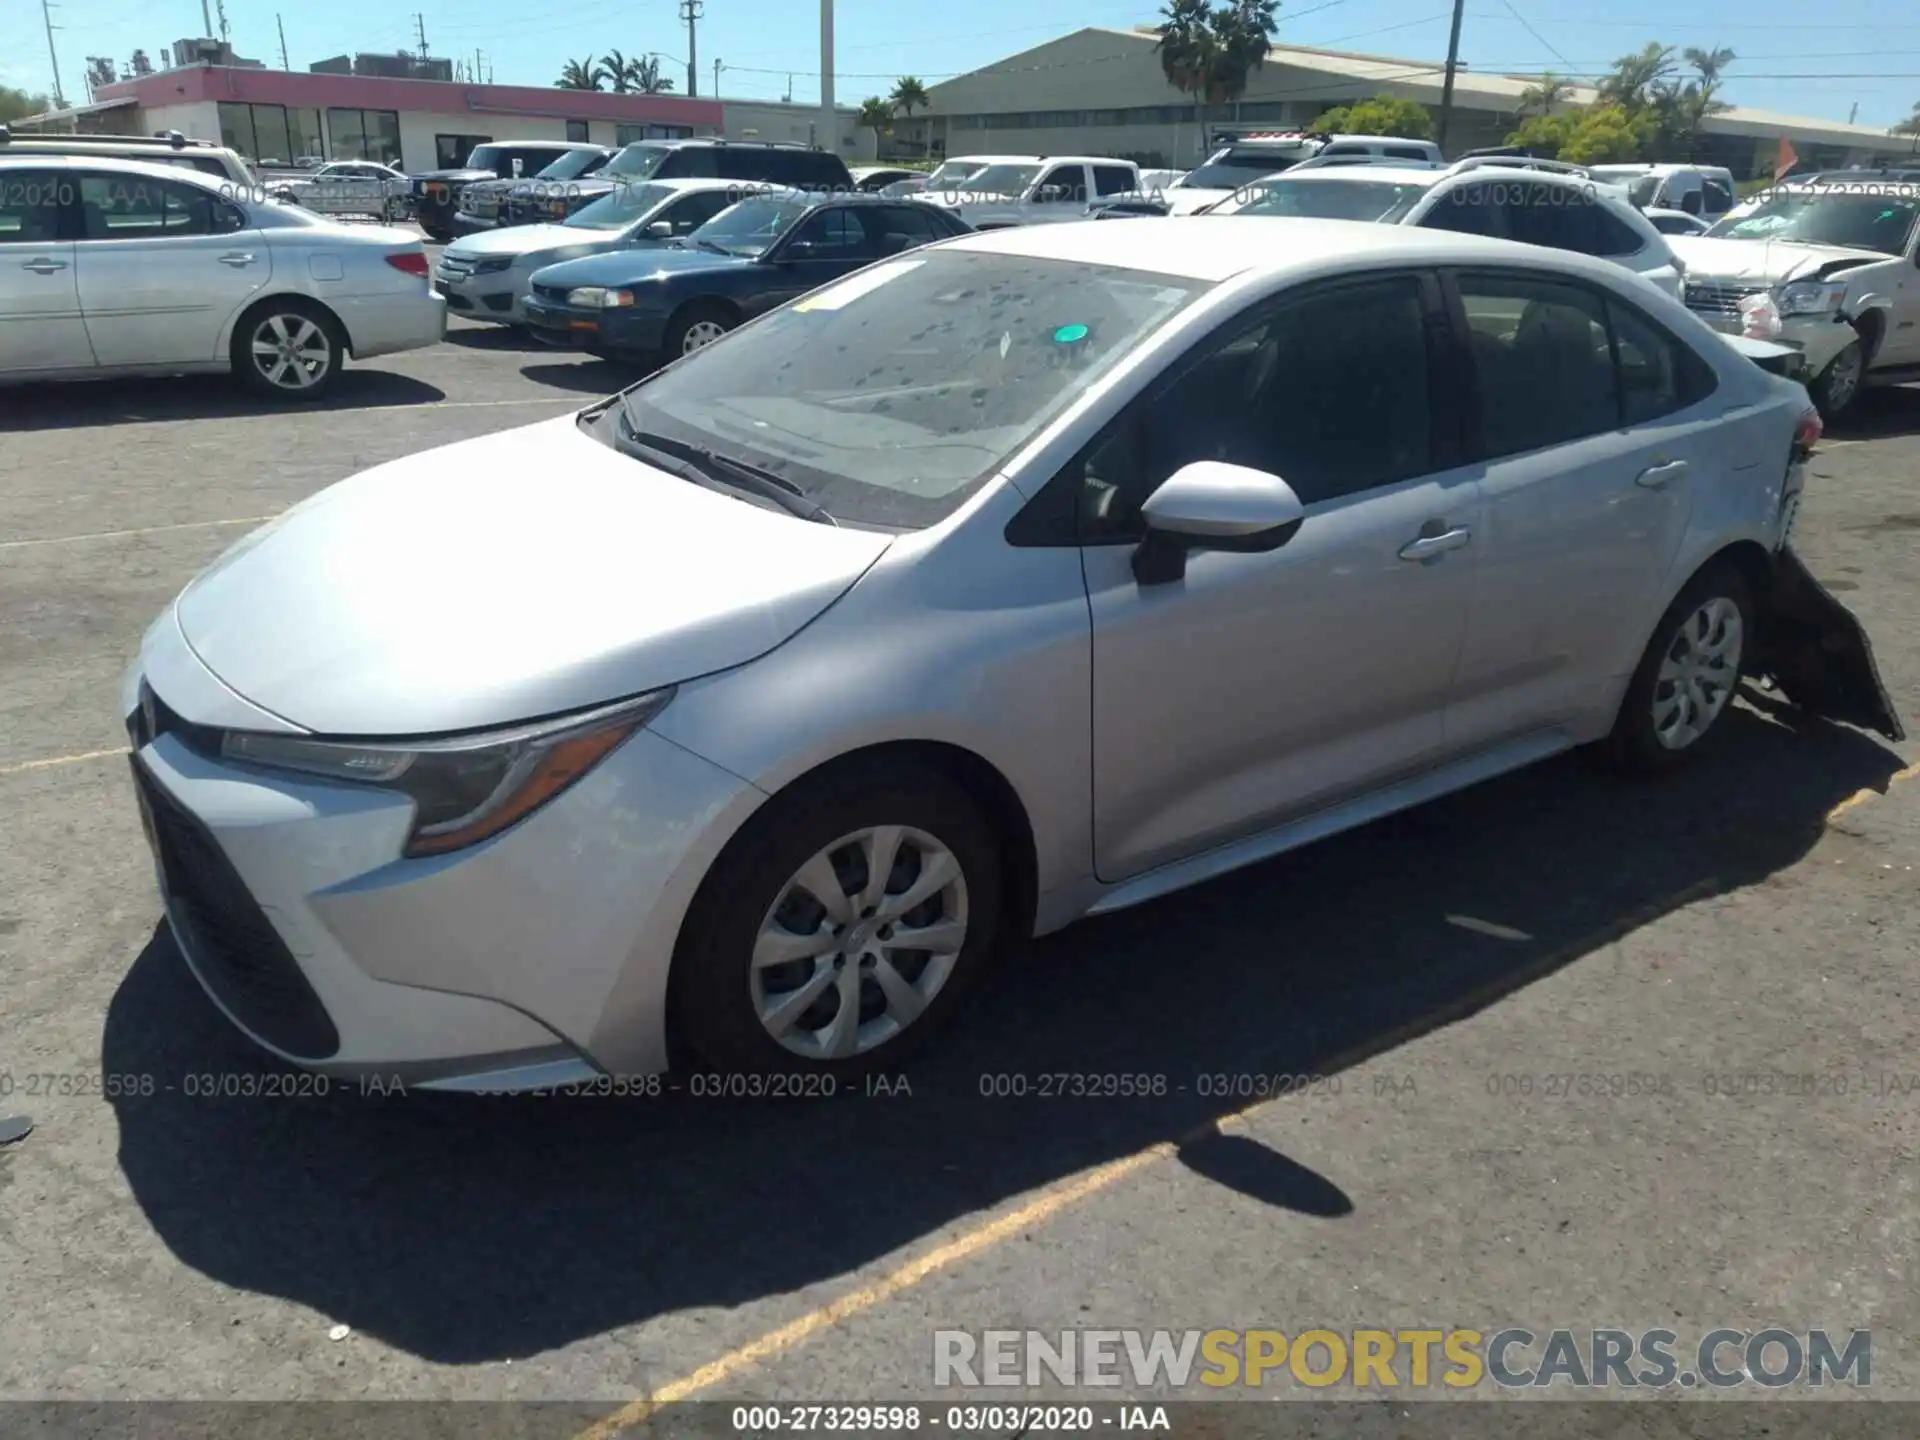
x,y
690,11
787,98
285,64
716,77
1853,113
829,122
1453,61
220,9
46,14
420,29
206,20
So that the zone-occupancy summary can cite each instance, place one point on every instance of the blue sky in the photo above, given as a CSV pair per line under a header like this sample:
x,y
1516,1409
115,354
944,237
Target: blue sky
x,y
1810,60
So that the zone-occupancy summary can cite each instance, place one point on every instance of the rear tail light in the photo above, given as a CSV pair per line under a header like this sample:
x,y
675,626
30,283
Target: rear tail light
x,y
413,262
1806,435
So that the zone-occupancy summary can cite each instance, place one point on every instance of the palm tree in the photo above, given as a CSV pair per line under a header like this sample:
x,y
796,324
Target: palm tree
x,y
910,95
578,75
617,71
1545,93
1910,125
1210,51
876,114
1635,78
646,76
1188,48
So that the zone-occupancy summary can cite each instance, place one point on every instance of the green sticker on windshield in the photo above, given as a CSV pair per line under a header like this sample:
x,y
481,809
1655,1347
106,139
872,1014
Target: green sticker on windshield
x,y
1069,334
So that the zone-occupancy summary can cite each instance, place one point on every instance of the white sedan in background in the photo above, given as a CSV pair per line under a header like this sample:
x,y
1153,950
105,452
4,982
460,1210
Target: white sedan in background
x,y
121,267
485,276
346,187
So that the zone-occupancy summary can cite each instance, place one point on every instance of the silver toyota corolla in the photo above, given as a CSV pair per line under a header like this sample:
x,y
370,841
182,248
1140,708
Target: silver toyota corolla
x,y
1033,575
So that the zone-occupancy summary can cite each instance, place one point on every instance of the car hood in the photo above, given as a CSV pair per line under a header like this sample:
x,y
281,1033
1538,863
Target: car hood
x,y
527,239
1186,200
1768,261
462,176
505,578
636,266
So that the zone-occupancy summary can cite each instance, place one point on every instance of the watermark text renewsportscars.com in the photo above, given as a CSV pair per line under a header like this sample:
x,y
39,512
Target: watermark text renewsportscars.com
x,y
1450,1358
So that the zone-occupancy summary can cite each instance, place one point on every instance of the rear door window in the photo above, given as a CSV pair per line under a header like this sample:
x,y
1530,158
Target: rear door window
x,y
1542,360
1114,180
1468,210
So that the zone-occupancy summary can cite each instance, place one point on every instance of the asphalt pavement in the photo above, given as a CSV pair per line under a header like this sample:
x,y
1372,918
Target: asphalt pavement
x,y
1446,975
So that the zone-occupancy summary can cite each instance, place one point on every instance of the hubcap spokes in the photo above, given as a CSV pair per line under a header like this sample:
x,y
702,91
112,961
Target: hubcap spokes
x,y
701,335
859,942
291,351
1846,375
1697,674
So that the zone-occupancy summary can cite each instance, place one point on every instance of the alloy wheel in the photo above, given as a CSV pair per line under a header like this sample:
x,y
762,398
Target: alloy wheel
x,y
859,942
291,351
1697,673
1843,378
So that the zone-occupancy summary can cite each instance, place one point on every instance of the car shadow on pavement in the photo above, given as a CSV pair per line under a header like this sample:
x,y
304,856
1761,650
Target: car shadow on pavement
x,y
591,377
479,335
1884,413
463,1230
196,397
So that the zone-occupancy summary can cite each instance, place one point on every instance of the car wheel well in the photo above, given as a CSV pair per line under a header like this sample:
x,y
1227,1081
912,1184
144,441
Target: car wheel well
x,y
1755,565
705,302
1872,329
293,300
979,778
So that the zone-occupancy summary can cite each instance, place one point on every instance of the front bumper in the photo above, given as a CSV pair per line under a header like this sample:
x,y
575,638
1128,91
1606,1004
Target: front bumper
x,y
535,958
639,331
1818,337
493,296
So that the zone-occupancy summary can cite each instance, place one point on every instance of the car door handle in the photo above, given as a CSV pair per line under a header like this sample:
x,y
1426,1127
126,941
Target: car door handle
x,y
1658,477
41,265
1428,546
237,258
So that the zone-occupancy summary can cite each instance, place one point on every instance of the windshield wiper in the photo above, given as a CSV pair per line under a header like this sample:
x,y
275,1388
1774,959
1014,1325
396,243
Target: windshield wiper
x,y
702,466
716,248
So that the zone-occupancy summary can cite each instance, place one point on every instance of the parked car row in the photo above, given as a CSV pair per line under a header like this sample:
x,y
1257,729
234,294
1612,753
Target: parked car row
x,y
823,664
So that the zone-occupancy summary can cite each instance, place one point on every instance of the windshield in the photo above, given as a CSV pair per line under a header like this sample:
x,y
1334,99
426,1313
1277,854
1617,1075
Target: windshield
x,y
891,396
1002,179
1866,216
569,166
1324,199
1230,169
637,162
619,207
1644,192
953,172
749,227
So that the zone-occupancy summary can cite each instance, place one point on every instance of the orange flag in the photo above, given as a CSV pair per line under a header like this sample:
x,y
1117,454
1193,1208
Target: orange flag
x,y
1786,159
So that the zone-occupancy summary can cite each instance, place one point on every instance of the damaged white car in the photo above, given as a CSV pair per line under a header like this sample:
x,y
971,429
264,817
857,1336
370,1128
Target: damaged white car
x,y
1828,267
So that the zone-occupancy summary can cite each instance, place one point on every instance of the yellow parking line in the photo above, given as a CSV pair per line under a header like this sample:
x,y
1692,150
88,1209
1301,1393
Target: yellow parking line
x,y
1860,797
48,764
142,530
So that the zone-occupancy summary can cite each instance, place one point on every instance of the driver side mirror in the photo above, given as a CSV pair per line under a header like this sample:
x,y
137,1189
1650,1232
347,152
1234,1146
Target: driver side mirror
x,y
659,230
1211,505
799,250
1050,194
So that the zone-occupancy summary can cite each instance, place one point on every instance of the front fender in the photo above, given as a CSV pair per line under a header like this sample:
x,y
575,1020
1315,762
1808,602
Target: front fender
x,y
1817,653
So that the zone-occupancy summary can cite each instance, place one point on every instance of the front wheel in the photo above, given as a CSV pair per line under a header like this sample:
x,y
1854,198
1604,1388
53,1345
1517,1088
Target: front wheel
x,y
288,349
1688,674
1839,384
697,327
842,928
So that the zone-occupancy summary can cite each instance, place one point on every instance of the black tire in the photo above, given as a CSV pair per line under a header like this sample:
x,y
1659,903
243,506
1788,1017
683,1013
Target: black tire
x,y
711,995
292,311
1837,390
686,322
438,236
1637,744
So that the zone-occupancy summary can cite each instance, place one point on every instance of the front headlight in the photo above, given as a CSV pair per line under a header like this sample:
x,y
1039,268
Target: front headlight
x,y
597,297
1811,297
467,788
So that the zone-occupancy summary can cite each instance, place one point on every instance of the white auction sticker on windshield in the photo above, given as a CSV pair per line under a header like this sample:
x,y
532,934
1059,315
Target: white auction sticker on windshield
x,y
867,281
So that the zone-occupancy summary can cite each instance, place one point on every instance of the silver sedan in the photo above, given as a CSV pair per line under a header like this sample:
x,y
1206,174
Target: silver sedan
x,y
1029,576
120,267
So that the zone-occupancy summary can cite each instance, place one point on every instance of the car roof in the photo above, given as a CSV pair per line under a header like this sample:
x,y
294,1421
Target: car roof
x,y
1348,174
120,164
1215,248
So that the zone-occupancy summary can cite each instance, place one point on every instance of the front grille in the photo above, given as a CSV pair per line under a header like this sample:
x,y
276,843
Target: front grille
x,y
153,717
501,303
552,294
1719,299
480,204
236,950
452,267
458,302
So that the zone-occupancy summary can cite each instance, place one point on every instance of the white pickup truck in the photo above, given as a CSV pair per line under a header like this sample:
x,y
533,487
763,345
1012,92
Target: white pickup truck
x,y
1032,189
1829,266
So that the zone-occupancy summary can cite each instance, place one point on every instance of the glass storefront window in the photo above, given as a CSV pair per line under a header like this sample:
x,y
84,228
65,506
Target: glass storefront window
x,y
365,135
261,133
303,135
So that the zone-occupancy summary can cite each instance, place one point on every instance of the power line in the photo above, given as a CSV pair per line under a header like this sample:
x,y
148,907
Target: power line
x,y
1535,33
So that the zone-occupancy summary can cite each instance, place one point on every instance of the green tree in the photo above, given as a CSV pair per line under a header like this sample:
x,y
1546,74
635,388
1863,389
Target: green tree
x,y
15,103
1381,115
1211,51
1910,125
578,75
1545,93
877,115
1597,135
909,95
1635,78
616,70
646,77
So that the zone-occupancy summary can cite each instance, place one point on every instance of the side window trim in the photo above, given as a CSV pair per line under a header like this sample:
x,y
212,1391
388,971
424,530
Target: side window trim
x,y
1051,519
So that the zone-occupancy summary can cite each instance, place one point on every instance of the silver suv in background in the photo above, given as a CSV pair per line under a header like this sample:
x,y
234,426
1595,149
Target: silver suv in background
x,y
168,148
1247,158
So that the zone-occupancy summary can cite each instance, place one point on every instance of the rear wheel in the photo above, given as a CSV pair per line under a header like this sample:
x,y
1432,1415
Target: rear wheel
x,y
1688,675
842,928
288,348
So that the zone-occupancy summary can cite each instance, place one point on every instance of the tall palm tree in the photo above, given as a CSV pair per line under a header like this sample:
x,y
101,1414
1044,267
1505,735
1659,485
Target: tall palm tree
x,y
617,71
1188,48
1635,78
876,114
909,95
578,75
1545,93
1210,51
646,77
